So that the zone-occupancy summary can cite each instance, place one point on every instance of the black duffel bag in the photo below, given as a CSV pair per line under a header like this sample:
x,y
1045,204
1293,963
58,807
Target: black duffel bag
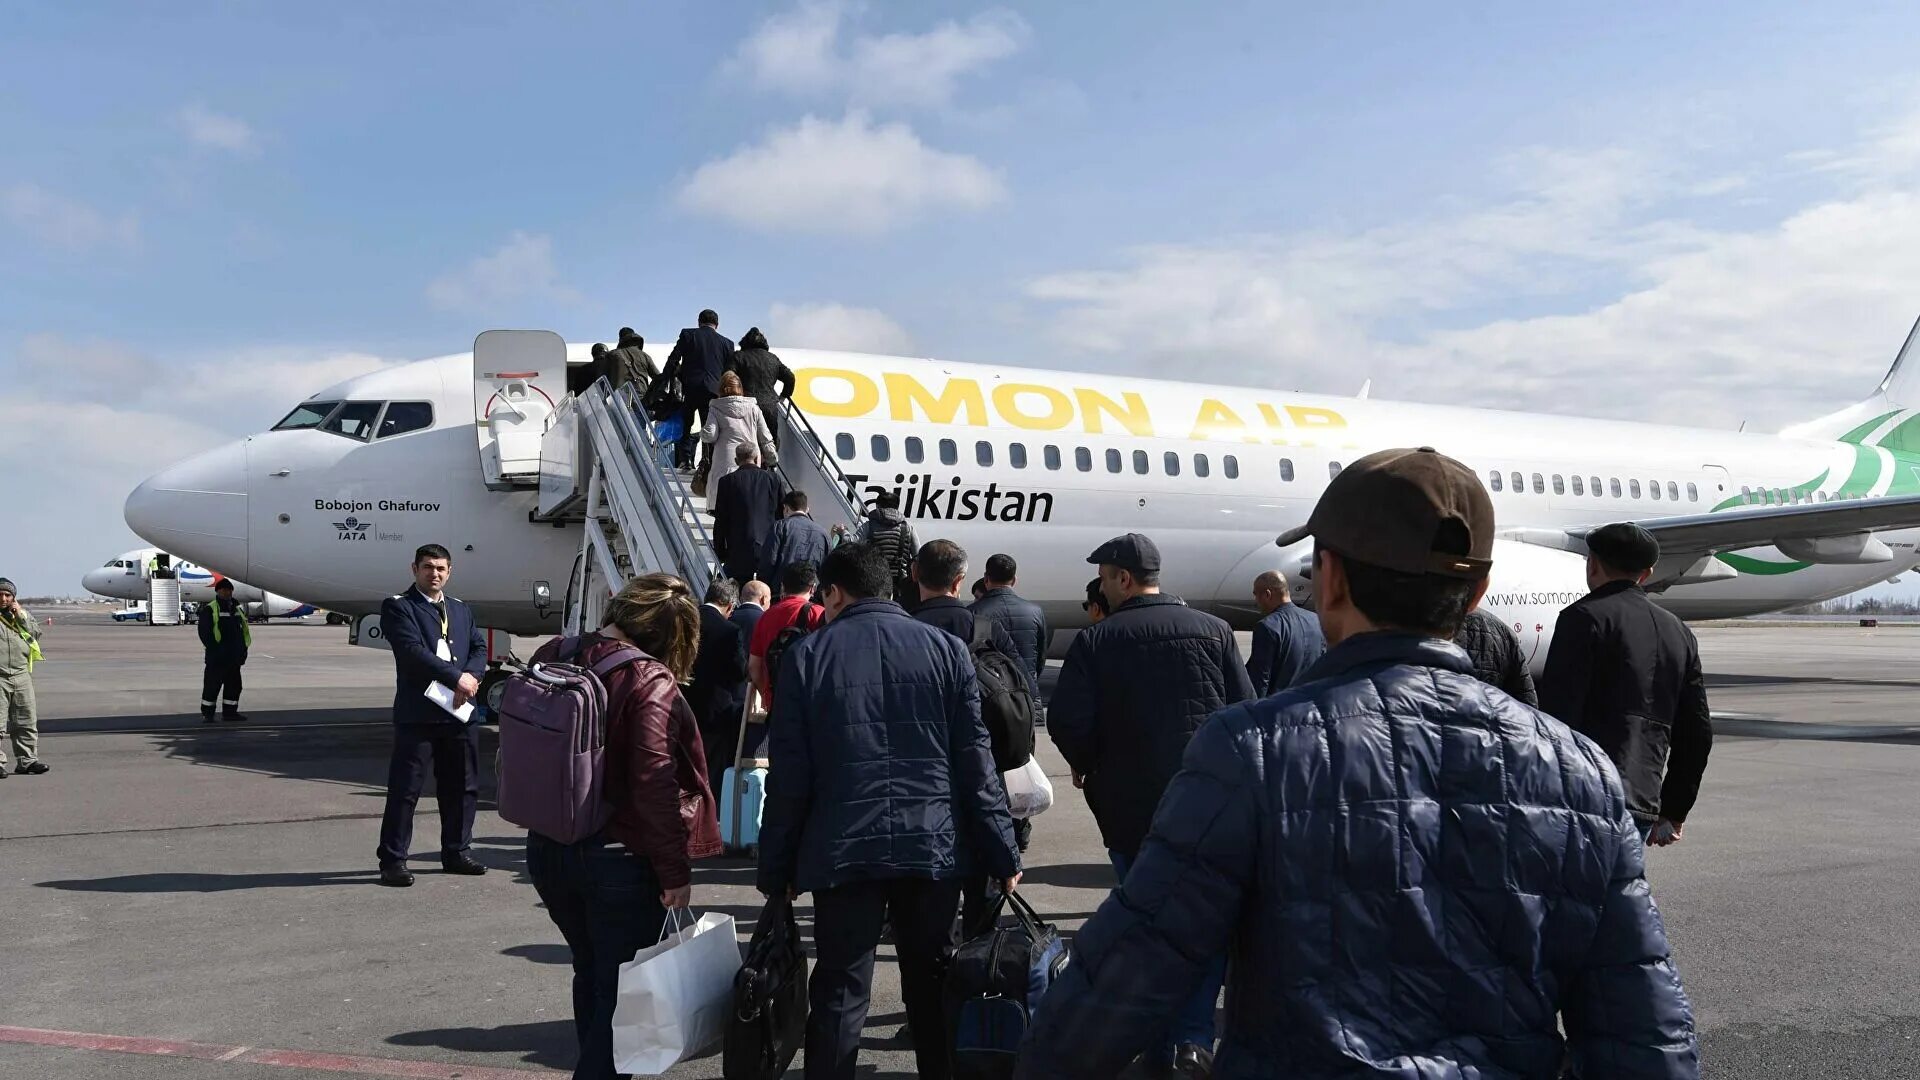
x,y
994,982
769,1021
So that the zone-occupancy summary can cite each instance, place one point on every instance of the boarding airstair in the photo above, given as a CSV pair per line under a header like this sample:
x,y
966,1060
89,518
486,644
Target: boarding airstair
x,y
163,599
600,464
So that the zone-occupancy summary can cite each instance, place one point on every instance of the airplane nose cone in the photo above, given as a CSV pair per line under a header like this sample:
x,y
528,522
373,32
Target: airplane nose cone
x,y
93,581
197,510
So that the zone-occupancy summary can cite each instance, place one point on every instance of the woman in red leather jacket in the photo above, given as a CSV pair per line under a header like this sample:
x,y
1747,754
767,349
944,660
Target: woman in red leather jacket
x,y
609,893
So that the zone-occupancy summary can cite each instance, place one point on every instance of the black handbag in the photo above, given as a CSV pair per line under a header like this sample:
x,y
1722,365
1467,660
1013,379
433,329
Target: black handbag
x,y
769,1022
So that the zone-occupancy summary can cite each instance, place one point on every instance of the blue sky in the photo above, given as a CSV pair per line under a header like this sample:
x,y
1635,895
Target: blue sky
x,y
1706,214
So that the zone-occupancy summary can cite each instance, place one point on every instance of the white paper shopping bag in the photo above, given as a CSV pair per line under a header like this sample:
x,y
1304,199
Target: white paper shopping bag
x,y
675,997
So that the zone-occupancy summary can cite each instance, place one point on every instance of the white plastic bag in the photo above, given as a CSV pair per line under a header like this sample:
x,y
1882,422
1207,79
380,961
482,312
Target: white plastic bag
x,y
675,997
1029,792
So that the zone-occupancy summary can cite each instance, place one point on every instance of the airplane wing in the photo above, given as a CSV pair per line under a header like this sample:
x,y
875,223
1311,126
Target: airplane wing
x,y
1831,532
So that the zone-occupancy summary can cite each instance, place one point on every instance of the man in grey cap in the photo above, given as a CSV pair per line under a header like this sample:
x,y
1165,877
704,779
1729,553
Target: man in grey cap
x,y
19,651
1414,875
1130,695
1626,674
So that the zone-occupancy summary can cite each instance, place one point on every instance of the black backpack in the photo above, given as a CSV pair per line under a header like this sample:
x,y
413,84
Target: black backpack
x,y
994,983
1006,703
805,623
769,1021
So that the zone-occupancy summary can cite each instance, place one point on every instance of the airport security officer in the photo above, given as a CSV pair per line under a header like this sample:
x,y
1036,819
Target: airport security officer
x,y
19,651
227,637
435,641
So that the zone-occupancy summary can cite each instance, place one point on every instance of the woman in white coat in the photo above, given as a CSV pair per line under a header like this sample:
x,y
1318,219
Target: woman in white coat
x,y
733,418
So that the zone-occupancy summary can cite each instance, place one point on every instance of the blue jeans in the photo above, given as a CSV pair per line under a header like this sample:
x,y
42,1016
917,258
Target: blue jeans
x,y
1193,1021
606,902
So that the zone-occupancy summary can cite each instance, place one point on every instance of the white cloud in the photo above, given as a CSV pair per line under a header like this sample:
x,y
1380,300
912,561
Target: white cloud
x,y
851,175
837,326
60,221
1766,323
204,127
802,52
96,417
520,270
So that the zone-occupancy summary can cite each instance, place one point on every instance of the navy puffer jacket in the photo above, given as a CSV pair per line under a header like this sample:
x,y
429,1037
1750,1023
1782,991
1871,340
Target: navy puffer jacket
x,y
1025,624
879,763
1414,876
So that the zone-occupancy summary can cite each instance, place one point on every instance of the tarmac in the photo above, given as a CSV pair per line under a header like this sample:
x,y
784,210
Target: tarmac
x,y
180,900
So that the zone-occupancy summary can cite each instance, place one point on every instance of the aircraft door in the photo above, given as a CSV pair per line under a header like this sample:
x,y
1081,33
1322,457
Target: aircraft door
x,y
518,377
1718,486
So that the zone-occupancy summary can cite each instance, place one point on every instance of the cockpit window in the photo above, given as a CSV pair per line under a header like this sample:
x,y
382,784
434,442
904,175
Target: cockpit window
x,y
354,420
307,414
405,416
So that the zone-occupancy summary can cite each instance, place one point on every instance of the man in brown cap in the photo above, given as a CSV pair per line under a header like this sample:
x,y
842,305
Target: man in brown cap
x,y
1131,693
1626,674
1412,873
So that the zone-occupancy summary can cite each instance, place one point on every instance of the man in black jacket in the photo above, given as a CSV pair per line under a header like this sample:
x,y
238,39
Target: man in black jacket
x,y
1131,694
1495,651
699,358
718,689
745,505
1626,674
1286,641
1022,619
224,631
941,566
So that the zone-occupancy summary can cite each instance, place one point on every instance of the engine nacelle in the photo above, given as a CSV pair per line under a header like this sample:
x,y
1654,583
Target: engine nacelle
x,y
1528,588
275,606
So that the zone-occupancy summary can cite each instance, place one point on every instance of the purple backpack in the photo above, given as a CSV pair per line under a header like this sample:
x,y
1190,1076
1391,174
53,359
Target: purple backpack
x,y
553,741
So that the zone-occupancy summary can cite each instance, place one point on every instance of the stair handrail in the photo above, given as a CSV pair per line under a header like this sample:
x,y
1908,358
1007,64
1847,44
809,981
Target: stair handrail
x,y
850,503
674,506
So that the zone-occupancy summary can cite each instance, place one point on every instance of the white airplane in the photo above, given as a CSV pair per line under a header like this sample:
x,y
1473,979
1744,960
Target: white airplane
x,y
124,577
330,503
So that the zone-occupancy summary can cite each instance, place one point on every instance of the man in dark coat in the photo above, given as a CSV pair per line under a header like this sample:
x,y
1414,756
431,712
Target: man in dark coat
x,y
1495,651
881,796
434,640
718,689
628,362
699,358
223,628
888,529
1022,619
941,566
1286,641
1414,875
795,538
765,377
745,505
1626,674
1132,692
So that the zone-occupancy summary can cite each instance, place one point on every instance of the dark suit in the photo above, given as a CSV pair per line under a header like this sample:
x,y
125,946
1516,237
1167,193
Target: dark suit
x,y
422,731
745,506
718,690
699,358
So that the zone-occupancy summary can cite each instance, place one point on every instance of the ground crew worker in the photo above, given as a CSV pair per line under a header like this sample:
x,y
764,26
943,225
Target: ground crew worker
x,y
19,651
227,637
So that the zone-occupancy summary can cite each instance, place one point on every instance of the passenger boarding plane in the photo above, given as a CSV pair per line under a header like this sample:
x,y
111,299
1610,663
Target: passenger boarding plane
x,y
329,505
124,577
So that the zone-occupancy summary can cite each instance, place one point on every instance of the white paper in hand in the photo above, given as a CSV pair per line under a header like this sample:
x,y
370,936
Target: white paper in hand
x,y
440,695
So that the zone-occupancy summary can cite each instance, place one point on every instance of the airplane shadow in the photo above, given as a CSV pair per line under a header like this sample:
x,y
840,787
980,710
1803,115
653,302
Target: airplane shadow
x,y
211,883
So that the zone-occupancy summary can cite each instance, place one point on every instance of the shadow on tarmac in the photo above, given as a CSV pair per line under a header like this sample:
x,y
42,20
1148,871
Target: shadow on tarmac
x,y
549,1043
1071,876
211,883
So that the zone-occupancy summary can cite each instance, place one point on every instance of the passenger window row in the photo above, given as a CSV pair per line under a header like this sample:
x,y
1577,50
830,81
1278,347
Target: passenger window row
x,y
1537,483
913,450
1788,496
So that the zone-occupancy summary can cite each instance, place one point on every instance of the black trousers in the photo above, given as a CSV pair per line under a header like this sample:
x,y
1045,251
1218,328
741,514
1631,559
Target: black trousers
x,y
221,684
846,930
454,751
771,414
695,411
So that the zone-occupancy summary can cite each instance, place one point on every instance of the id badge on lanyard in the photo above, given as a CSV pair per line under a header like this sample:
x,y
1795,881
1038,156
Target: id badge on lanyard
x,y
442,650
